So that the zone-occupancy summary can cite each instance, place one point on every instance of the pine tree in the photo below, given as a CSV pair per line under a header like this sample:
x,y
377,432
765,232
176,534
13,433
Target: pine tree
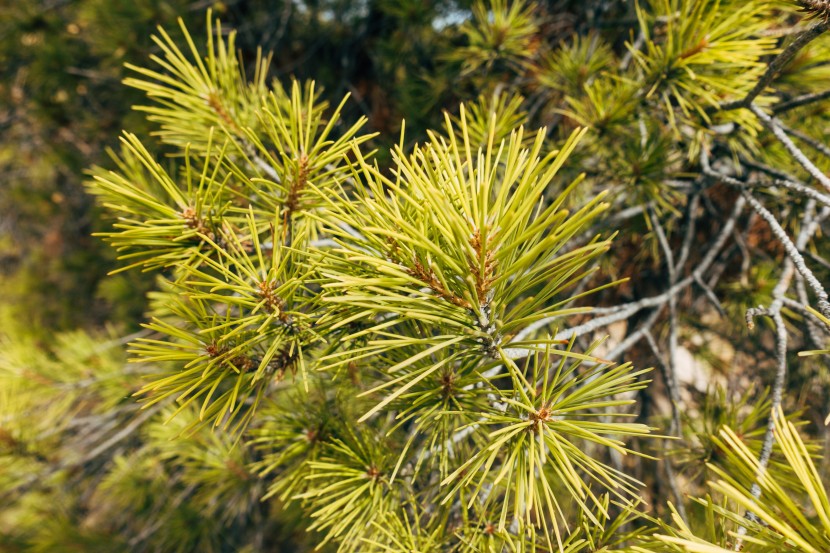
x,y
368,342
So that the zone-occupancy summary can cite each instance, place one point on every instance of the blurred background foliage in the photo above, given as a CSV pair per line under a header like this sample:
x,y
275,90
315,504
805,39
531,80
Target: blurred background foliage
x,y
62,105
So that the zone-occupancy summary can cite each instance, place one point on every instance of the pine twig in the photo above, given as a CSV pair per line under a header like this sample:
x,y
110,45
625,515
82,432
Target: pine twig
x,y
792,253
805,138
688,237
624,311
670,363
771,171
675,409
812,324
791,250
809,225
710,295
776,65
804,191
799,101
817,258
635,336
774,126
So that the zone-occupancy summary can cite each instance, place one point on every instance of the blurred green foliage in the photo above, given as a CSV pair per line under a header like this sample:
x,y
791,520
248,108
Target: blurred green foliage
x,y
62,105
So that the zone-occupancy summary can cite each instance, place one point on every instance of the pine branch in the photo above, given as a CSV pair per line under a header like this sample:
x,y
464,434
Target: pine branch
x,y
668,377
793,254
803,100
795,152
624,311
775,66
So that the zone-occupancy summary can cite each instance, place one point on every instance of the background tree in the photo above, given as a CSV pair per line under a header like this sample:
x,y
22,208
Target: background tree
x,y
366,336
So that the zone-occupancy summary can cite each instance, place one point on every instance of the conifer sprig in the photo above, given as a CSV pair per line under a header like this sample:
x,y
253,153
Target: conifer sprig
x,y
352,488
697,70
500,36
451,239
300,147
163,223
794,517
537,443
194,93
